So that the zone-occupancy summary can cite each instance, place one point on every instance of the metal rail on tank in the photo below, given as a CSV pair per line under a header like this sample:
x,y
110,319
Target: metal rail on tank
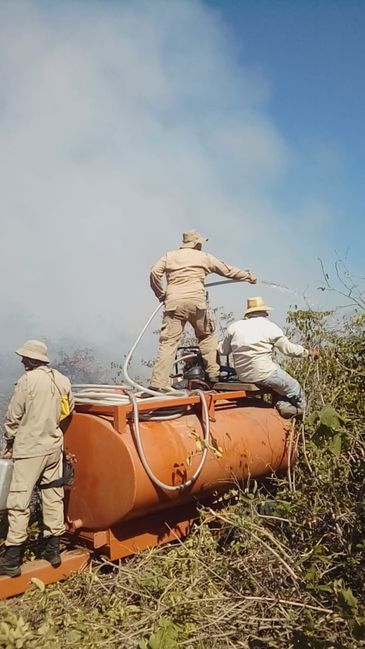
x,y
115,509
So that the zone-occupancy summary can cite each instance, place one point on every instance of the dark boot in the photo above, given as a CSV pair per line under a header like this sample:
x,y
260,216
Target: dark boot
x,y
10,562
51,551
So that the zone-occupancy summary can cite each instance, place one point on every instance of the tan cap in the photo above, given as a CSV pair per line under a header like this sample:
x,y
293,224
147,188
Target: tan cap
x,y
191,238
255,304
34,349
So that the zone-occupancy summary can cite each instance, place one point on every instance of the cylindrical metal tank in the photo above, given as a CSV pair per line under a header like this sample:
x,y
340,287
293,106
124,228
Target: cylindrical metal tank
x,y
111,484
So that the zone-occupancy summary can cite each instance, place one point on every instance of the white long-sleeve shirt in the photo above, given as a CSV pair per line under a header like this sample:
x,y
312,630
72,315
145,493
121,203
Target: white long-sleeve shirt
x,y
252,342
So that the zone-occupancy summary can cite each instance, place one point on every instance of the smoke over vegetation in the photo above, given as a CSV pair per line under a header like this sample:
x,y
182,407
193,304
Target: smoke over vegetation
x,y
121,125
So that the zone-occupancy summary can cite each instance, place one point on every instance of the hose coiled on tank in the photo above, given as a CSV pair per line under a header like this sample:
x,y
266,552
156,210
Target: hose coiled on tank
x,y
141,453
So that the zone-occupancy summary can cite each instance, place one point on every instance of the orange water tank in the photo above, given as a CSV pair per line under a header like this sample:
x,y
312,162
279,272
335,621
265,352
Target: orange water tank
x,y
112,489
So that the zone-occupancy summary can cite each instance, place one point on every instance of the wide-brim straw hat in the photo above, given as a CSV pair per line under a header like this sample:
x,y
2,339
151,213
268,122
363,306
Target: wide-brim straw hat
x,y
191,238
34,349
255,304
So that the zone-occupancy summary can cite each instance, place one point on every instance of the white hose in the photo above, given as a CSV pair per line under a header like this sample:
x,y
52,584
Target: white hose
x,y
142,456
134,384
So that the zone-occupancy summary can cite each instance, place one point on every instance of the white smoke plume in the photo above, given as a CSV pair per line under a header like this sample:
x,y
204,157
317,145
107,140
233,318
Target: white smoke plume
x,y
121,125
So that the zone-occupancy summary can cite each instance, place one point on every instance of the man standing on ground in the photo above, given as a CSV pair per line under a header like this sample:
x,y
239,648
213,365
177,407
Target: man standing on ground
x,y
185,301
34,441
252,342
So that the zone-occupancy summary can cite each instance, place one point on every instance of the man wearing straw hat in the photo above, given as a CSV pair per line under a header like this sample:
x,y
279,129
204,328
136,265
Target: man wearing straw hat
x,y
252,342
185,301
34,440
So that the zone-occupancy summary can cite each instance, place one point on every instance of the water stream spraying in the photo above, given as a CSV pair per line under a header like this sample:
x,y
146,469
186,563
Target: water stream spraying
x,y
280,287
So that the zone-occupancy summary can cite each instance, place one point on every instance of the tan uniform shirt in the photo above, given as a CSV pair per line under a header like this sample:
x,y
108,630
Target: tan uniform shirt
x,y
32,419
252,342
185,271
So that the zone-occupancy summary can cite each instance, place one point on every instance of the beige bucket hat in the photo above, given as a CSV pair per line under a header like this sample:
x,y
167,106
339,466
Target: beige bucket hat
x,y
255,304
191,238
34,349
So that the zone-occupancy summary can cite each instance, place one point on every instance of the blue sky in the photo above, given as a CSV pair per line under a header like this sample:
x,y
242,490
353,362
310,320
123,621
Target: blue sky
x,y
123,123
312,54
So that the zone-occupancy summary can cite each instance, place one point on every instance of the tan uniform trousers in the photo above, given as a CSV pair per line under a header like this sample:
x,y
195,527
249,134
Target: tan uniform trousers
x,y
26,473
171,331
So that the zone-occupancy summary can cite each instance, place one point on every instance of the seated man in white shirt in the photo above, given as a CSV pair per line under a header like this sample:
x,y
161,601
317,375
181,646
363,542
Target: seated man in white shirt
x,y
252,342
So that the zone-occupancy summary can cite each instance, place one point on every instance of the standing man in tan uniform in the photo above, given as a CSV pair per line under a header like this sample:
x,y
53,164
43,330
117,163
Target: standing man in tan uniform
x,y
34,441
185,301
